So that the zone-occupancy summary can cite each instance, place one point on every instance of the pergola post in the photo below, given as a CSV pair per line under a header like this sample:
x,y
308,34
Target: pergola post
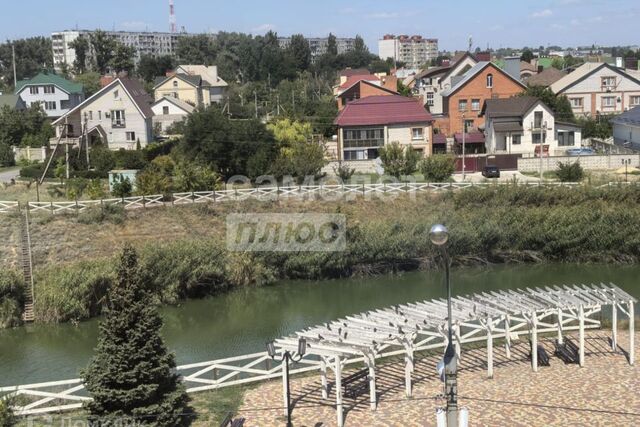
x,y
534,341
632,348
581,334
285,382
373,399
489,348
408,369
339,409
323,377
507,336
614,326
559,315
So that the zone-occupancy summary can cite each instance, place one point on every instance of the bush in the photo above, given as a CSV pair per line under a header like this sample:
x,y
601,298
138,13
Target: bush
x,y
570,172
11,298
130,159
344,171
114,214
7,417
398,160
102,159
193,177
35,171
438,168
96,189
121,186
7,157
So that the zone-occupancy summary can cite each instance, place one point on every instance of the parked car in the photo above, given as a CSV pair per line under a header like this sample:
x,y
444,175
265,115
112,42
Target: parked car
x,y
491,172
581,151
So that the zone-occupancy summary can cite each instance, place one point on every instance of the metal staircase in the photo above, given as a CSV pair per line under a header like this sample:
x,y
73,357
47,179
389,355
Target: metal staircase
x,y
27,269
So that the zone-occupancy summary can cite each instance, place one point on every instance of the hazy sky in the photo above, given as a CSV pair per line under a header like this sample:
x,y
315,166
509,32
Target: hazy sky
x,y
491,22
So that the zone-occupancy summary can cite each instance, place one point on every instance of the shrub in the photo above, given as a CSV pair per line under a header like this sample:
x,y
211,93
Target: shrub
x,y
35,171
193,177
344,171
152,181
102,159
96,189
121,186
7,417
11,298
570,172
75,187
7,157
129,159
397,160
438,168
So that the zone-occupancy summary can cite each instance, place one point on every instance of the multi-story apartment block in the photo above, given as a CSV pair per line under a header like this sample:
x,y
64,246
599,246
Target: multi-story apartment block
x,y
413,51
319,45
145,43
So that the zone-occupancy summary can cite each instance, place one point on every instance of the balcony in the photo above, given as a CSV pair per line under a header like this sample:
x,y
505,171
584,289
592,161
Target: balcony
x,y
363,143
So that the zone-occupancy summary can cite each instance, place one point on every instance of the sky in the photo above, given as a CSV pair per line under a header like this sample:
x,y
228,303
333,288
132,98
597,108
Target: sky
x,y
493,23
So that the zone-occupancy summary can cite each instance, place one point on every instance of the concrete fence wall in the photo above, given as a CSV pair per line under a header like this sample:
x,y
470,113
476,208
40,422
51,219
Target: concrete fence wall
x,y
599,162
32,154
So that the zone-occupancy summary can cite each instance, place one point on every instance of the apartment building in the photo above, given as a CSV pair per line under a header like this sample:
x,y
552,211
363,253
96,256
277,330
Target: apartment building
x,y
413,51
319,45
145,43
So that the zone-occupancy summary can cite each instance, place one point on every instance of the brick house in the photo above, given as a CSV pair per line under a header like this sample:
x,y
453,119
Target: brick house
x,y
468,93
362,89
367,124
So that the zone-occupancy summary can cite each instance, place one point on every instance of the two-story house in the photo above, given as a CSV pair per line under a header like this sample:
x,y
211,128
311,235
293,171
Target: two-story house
x,y
365,88
55,94
463,101
369,123
197,85
523,124
119,115
599,88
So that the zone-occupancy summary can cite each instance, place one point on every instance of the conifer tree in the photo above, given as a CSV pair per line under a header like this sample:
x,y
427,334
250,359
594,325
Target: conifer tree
x,y
132,375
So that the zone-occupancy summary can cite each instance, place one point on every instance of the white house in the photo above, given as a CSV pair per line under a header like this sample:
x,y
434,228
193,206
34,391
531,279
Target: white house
x,y
626,129
55,94
168,111
119,115
517,125
599,88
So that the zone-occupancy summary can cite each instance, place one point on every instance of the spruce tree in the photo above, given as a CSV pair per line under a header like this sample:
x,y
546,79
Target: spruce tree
x,y
132,375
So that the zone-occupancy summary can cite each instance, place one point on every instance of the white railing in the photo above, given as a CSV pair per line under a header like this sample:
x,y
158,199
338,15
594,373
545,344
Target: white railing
x,y
57,396
303,192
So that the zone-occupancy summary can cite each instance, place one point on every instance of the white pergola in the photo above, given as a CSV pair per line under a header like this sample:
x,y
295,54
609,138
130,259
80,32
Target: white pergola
x,y
405,329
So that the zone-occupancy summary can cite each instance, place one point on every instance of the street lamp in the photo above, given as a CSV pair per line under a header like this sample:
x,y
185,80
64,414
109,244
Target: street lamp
x,y
439,236
287,357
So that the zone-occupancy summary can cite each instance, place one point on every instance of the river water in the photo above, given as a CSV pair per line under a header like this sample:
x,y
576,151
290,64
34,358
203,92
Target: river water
x,y
241,322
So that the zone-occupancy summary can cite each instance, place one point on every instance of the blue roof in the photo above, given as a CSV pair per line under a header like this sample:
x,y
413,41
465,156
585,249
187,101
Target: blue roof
x,y
631,117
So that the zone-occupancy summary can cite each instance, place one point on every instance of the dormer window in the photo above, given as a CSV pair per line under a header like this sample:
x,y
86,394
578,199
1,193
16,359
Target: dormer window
x,y
489,80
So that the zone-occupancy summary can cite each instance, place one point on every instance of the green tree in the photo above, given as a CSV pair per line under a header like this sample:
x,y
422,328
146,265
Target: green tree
x,y
197,49
287,132
332,45
527,55
121,186
438,168
32,56
103,48
150,67
132,375
596,127
122,59
81,47
570,172
90,82
7,158
398,160
194,177
300,51
302,160
560,105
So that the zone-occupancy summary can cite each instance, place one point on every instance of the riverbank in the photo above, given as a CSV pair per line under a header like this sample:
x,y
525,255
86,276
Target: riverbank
x,y
183,250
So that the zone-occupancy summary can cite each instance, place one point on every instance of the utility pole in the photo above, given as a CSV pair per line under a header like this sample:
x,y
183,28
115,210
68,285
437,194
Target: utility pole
x,y
255,94
66,143
464,131
15,74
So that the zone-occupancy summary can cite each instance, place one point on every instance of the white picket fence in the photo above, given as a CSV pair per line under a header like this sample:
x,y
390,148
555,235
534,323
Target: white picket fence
x,y
302,192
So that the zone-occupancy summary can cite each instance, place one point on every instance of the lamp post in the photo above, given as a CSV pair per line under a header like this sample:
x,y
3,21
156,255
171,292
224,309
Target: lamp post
x,y
287,357
464,131
439,235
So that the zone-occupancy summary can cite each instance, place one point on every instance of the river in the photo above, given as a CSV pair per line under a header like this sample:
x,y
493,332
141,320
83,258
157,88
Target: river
x,y
241,322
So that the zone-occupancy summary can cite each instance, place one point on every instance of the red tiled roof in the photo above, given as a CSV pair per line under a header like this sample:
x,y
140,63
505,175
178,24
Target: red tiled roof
x,y
382,110
351,80
348,72
470,138
439,138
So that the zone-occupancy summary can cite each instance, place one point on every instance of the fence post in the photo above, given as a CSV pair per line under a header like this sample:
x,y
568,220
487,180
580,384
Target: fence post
x,y
193,197
172,198
101,205
363,189
144,202
77,207
52,208
19,211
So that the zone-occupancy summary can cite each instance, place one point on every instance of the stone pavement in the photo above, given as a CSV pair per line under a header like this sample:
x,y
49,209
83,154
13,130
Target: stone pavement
x,y
606,391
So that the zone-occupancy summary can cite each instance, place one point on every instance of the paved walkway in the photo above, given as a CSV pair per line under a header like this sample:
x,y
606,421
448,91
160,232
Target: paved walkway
x,y
7,175
605,392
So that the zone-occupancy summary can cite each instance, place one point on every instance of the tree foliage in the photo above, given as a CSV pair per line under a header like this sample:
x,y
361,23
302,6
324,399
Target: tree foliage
x,y
438,168
596,127
32,56
398,160
81,47
90,81
570,172
560,105
150,67
132,375
527,55
29,127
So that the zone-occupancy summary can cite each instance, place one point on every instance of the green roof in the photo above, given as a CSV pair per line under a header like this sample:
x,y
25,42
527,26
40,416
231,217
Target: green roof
x,y
50,79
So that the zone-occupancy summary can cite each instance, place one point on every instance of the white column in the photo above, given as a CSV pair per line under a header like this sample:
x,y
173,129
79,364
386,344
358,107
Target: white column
x,y
323,377
339,409
489,348
632,348
373,400
581,334
408,369
534,342
614,326
560,339
507,336
285,380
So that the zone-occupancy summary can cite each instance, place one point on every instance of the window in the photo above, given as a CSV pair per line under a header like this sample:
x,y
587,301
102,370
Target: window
x,y
99,115
535,137
430,101
608,101
608,82
116,94
634,100
537,119
33,90
566,138
489,80
90,115
462,105
165,110
49,105
117,119
475,105
417,134
131,136
468,125
576,102
516,139
64,104
49,89
175,95
175,83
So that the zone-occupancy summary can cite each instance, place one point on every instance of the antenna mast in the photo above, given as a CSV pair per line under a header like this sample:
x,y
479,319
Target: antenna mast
x,y
172,16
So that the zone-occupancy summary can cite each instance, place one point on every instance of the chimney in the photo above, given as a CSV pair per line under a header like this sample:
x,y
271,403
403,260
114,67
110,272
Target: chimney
x,y
540,68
